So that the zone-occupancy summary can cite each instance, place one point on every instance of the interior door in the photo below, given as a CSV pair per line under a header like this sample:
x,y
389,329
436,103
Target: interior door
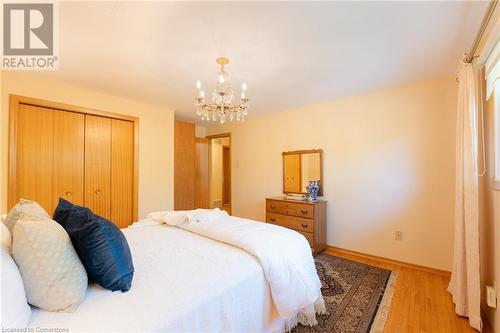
x,y
122,172
291,164
69,150
98,165
202,175
34,157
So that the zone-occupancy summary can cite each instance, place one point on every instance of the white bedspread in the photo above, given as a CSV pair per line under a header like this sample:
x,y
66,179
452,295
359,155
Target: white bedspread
x,y
284,255
182,283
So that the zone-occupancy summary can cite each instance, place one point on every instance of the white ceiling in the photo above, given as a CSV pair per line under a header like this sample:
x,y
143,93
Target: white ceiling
x,y
290,54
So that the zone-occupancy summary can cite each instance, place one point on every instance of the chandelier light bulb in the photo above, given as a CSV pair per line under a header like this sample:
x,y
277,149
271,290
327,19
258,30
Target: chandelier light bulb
x,y
242,94
244,86
202,93
198,84
221,78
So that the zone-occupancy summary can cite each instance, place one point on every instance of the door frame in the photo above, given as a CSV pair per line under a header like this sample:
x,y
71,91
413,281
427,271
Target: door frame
x,y
14,104
218,136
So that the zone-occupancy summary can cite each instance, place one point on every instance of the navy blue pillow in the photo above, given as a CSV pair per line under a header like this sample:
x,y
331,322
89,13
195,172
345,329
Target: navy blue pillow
x,y
101,246
62,212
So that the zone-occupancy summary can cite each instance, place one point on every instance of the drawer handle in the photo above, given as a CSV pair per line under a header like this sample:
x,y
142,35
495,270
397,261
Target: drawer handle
x,y
304,225
303,211
97,192
272,219
273,207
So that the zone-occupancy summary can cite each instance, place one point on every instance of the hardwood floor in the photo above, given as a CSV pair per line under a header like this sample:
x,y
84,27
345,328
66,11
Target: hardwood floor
x,y
421,302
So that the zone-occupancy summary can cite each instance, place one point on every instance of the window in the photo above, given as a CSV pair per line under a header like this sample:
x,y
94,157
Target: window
x,y
492,71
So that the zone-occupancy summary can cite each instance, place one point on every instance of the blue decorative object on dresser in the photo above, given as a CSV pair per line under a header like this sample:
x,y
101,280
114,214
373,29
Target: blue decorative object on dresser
x,y
313,190
101,246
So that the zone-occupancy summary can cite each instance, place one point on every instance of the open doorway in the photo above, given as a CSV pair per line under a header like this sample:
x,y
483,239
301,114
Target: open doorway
x,y
220,171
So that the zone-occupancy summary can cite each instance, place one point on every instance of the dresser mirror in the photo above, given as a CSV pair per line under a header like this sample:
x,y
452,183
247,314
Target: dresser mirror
x,y
300,167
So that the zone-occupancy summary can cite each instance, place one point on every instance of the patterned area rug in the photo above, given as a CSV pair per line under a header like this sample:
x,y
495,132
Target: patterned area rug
x,y
357,296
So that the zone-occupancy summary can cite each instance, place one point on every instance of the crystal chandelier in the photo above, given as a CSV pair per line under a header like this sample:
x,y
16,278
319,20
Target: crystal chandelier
x,y
223,106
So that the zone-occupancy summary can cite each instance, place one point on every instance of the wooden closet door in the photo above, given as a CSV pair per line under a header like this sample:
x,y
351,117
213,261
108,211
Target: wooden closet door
x,y
122,172
98,165
69,141
34,156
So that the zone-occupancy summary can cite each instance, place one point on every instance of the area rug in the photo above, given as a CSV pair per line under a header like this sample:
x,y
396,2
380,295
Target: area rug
x,y
357,296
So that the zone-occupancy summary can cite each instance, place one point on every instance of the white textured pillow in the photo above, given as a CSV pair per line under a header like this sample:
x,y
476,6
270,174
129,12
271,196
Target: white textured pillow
x,y
15,309
54,277
22,210
6,237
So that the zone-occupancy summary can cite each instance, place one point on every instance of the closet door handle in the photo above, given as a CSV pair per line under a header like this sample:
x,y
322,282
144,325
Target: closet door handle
x,y
68,194
304,225
97,192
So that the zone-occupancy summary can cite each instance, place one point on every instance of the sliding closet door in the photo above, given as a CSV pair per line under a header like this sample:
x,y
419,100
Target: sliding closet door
x,y
98,165
122,172
69,139
34,156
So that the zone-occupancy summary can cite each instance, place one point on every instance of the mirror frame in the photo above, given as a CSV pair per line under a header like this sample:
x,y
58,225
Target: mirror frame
x,y
295,152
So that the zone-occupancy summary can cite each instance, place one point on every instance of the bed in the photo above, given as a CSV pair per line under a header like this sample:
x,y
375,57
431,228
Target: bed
x,y
183,282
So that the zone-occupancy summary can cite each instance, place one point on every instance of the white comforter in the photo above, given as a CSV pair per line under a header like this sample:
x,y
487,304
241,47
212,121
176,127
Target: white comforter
x,y
182,283
284,255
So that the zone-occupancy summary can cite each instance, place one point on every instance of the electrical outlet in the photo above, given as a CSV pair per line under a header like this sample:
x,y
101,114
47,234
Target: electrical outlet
x,y
491,297
398,235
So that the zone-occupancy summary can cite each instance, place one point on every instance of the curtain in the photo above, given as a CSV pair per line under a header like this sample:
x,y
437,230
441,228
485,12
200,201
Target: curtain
x,y
465,280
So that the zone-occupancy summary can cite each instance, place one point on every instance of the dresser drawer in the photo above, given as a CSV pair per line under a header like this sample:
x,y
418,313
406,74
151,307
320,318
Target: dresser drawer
x,y
290,208
292,222
309,236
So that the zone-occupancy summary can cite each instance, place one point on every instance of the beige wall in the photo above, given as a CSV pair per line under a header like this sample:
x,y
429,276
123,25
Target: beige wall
x,y
389,163
155,133
490,222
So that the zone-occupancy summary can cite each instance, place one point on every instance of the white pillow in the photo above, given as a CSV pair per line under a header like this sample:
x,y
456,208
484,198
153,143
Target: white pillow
x,y
5,237
178,217
173,218
15,309
199,216
54,277
24,209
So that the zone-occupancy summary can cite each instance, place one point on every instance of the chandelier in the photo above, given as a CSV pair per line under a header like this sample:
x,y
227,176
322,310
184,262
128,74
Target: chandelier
x,y
222,106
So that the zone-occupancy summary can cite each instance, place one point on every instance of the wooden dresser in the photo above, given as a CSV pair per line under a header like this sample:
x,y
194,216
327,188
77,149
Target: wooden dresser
x,y
308,218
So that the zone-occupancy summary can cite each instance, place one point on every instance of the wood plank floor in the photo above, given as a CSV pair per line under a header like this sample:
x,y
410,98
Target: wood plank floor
x,y
421,302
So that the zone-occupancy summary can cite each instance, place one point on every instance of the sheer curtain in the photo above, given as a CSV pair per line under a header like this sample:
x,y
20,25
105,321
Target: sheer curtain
x,y
465,280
